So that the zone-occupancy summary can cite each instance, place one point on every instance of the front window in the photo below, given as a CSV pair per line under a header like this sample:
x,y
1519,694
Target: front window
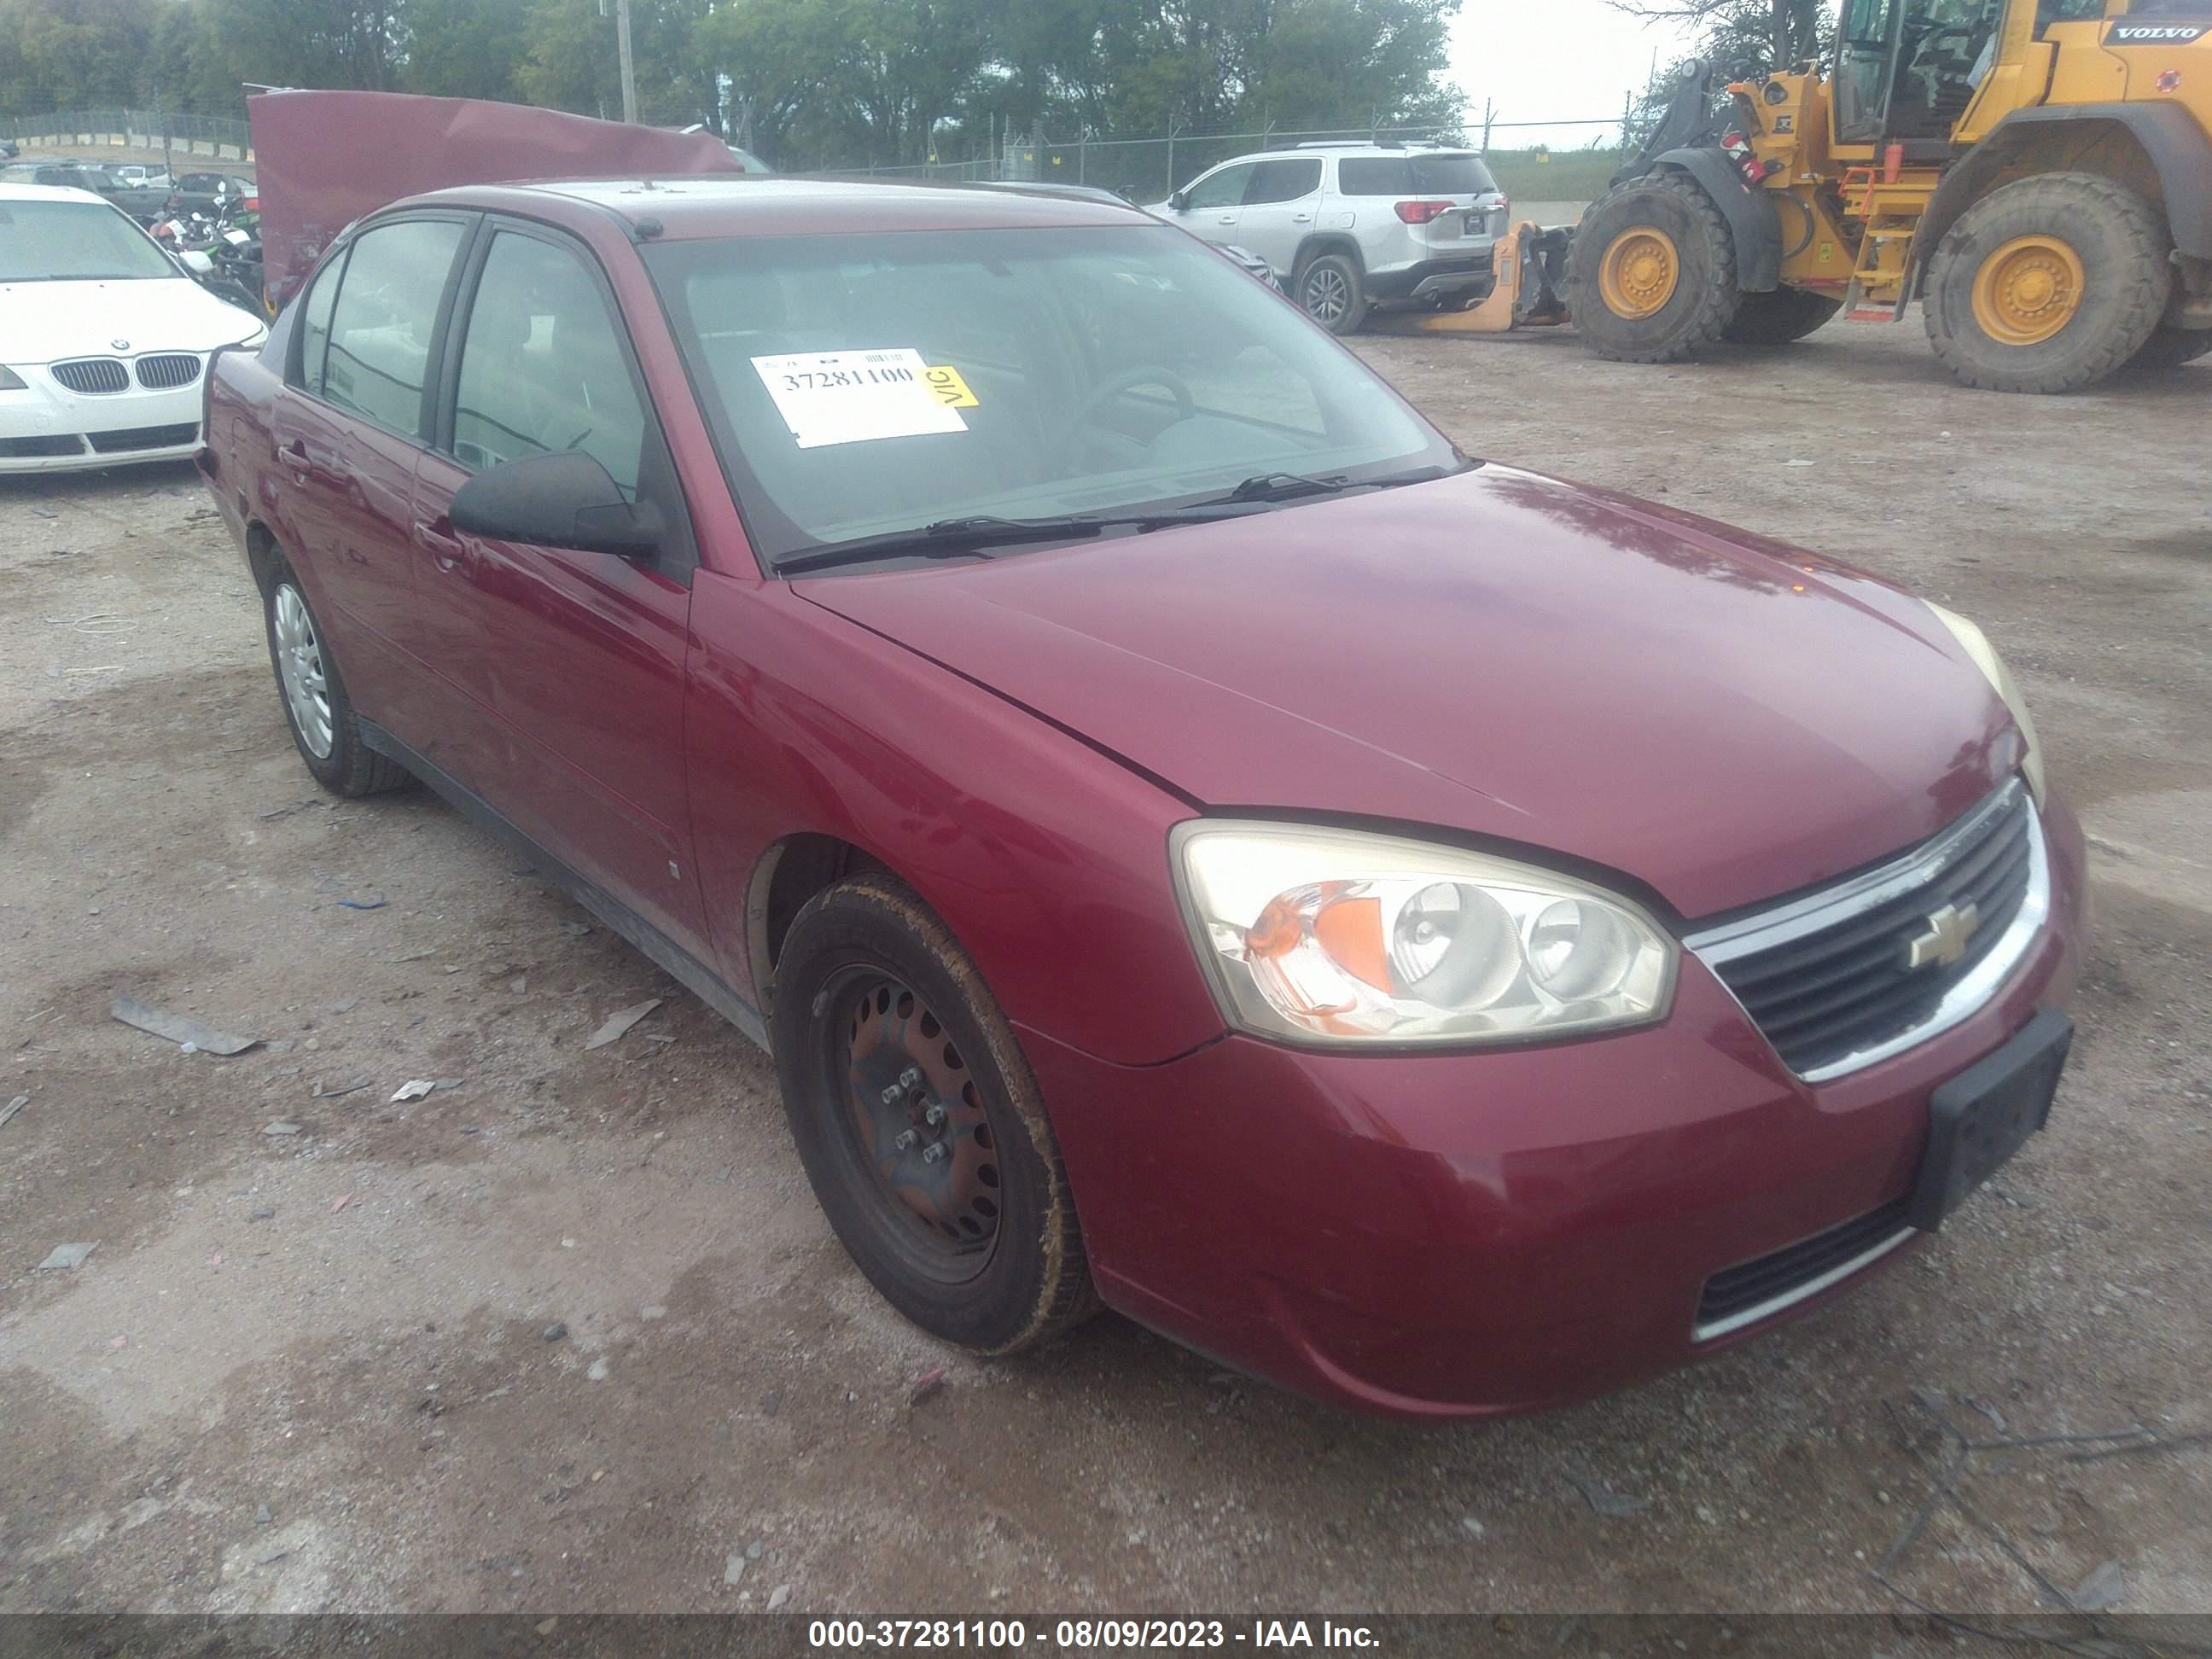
x,y
860,386
65,241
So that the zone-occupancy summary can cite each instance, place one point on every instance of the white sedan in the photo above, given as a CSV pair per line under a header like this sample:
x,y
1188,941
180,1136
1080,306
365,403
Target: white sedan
x,y
103,339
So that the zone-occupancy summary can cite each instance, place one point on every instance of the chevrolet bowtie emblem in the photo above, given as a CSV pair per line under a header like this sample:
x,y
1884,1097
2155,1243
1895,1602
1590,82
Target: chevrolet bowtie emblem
x,y
1945,942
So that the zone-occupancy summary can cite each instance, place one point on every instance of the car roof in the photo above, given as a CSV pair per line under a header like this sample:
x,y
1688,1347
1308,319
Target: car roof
x,y
47,193
705,206
1349,150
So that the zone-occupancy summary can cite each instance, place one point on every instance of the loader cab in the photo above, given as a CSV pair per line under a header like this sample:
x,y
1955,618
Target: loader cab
x,y
1907,70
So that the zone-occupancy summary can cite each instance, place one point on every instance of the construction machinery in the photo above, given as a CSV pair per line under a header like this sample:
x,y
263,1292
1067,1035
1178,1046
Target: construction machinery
x,y
2037,173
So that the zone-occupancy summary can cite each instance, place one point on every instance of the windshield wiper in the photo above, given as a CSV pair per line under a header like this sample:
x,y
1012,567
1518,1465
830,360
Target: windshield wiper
x,y
1293,486
954,539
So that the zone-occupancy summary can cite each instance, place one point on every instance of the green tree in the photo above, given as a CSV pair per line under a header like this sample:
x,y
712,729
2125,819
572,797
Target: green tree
x,y
466,48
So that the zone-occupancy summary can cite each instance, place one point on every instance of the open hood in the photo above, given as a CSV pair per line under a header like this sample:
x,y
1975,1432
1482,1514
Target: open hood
x,y
1499,655
324,159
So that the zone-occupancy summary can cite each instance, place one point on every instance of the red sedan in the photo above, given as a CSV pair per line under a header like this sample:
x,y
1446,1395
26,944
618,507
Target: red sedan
x,y
1445,939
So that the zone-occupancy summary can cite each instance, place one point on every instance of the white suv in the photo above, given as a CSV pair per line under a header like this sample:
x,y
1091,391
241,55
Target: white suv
x,y
1346,226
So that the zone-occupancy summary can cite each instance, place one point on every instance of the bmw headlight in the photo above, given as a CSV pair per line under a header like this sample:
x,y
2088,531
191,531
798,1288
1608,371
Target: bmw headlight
x,y
1977,646
1328,937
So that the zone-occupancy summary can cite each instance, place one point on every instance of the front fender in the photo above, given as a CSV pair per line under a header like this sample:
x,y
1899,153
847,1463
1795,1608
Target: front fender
x,y
1751,217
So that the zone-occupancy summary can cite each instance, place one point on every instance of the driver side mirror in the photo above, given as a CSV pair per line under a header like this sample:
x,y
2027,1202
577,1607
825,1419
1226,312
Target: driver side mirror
x,y
1179,200
566,499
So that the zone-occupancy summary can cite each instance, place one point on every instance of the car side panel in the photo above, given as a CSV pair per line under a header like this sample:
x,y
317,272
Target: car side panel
x,y
1046,859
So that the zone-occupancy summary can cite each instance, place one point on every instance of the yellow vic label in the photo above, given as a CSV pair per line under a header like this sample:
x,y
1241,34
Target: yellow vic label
x,y
952,391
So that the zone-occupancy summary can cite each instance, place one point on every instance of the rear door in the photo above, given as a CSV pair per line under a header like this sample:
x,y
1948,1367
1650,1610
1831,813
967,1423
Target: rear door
x,y
349,429
561,673
1280,205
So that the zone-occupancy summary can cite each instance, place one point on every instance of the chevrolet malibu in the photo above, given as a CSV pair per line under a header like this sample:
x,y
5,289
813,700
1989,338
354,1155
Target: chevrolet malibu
x,y
1445,939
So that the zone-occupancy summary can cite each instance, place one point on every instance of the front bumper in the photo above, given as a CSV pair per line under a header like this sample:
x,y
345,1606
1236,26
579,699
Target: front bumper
x,y
1444,1236
49,429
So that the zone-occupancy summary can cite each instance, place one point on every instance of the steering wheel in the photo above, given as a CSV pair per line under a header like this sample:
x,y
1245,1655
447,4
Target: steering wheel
x,y
1107,390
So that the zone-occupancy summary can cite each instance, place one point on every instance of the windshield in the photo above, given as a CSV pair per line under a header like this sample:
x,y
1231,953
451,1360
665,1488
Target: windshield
x,y
860,386
62,241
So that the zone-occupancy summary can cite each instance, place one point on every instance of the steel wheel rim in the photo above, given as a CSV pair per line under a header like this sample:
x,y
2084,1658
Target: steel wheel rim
x,y
2028,291
913,1119
1328,296
1640,273
300,665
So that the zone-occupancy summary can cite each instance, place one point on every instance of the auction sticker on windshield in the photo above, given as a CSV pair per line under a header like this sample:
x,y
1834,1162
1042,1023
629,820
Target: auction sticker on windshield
x,y
852,397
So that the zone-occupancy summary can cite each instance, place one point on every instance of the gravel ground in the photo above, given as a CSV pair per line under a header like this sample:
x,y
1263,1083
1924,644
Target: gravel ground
x,y
570,1334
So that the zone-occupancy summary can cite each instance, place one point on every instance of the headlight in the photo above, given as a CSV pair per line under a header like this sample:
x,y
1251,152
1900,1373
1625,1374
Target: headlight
x,y
1332,936
1985,657
11,381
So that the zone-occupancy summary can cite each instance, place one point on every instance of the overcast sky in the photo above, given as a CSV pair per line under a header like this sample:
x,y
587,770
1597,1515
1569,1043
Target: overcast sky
x,y
1552,60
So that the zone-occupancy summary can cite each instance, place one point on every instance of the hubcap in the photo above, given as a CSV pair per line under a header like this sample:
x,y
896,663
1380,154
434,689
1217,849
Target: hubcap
x,y
1328,295
299,664
1640,273
2028,291
919,1125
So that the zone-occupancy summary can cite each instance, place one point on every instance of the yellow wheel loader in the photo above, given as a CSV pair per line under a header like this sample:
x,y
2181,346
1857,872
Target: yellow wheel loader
x,y
2037,173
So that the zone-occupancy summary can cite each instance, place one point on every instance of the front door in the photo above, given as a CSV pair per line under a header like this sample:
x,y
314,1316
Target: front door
x,y
563,672
1214,206
1280,207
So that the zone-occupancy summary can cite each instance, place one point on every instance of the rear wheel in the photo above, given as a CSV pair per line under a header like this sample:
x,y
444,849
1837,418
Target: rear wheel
x,y
2171,347
920,1127
1779,317
1331,290
2049,284
325,729
1651,274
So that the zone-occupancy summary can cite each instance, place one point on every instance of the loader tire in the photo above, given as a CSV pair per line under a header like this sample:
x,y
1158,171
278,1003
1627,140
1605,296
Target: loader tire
x,y
2170,348
2049,284
1777,319
1651,274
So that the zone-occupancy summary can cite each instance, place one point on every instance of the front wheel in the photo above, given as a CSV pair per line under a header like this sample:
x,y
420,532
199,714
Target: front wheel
x,y
1332,291
920,1127
1651,273
2049,284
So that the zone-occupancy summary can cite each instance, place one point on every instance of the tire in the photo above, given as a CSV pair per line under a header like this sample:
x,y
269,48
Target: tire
x,y
1691,307
873,998
1778,318
1331,289
325,728
2062,232
2171,348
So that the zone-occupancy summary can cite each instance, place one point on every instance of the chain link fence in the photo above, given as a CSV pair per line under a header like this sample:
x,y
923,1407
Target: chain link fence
x,y
1147,169
216,136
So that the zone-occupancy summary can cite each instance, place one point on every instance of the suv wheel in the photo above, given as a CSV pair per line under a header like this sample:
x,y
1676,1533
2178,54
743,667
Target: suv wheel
x,y
1331,291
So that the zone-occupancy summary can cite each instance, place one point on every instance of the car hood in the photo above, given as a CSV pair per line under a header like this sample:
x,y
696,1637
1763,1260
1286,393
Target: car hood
x,y
46,322
1501,655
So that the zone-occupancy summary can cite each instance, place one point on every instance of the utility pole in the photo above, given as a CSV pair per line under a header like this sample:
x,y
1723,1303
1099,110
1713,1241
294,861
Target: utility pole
x,y
620,11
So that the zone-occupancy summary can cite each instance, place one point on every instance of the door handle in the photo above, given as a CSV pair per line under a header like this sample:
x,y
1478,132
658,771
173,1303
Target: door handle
x,y
1227,218
1302,218
446,549
294,457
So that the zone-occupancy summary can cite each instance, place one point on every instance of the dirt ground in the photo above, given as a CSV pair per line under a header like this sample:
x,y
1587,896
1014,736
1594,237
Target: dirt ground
x,y
311,1363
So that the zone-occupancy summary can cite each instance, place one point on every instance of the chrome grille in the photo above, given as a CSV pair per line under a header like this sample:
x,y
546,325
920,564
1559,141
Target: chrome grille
x,y
93,374
1829,977
169,370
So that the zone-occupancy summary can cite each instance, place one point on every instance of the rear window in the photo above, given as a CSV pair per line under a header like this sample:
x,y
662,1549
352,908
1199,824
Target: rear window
x,y
1414,175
